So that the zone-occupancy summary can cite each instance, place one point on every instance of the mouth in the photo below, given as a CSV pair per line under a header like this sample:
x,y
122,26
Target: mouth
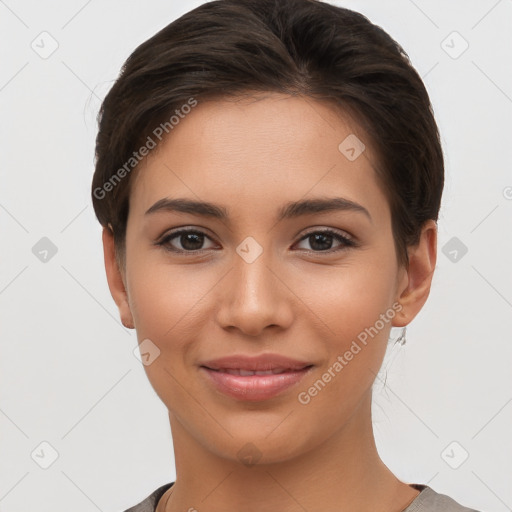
x,y
246,373
254,385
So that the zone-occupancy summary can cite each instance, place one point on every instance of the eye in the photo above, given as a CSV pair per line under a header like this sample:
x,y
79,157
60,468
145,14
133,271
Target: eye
x,y
188,240
192,240
322,240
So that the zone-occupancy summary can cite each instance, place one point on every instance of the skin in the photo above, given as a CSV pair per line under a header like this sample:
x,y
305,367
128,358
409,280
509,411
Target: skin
x,y
251,157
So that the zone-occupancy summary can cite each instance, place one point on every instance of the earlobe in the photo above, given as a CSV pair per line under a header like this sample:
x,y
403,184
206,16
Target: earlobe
x,y
415,286
116,283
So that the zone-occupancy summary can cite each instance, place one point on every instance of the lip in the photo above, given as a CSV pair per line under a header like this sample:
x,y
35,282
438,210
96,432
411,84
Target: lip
x,y
288,372
262,362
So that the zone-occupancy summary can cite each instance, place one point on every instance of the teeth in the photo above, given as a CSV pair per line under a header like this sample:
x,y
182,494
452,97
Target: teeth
x,y
246,373
249,372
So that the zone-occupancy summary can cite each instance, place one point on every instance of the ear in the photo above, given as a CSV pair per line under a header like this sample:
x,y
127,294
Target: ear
x,y
414,286
115,278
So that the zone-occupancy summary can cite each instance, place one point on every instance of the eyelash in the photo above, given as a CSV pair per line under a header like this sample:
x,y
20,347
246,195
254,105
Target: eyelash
x,y
347,242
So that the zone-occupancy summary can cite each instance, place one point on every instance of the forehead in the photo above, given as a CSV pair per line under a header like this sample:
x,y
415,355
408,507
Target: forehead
x,y
260,150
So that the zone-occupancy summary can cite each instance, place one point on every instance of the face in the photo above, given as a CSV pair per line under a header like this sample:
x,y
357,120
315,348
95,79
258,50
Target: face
x,y
293,255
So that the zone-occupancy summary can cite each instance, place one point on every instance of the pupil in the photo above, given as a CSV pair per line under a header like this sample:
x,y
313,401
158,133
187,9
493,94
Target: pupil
x,y
313,239
191,241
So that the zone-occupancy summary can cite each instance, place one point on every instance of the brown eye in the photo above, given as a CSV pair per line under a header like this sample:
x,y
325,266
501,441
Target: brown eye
x,y
185,240
322,241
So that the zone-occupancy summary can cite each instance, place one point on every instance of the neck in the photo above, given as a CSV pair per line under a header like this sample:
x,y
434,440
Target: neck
x,y
344,472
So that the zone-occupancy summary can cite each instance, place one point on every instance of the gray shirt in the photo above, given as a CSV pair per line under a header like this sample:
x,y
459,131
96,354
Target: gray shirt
x,y
427,500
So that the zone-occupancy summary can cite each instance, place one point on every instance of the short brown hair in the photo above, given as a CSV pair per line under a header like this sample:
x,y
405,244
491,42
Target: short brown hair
x,y
297,47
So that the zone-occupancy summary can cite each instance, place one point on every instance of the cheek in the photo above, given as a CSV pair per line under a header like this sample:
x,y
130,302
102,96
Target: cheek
x,y
359,320
347,299
168,309
352,307
168,303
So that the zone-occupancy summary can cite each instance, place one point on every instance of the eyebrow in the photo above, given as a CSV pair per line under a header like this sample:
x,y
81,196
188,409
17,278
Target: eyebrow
x,y
288,211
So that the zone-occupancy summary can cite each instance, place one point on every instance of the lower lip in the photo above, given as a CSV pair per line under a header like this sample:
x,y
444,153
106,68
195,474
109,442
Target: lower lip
x,y
254,387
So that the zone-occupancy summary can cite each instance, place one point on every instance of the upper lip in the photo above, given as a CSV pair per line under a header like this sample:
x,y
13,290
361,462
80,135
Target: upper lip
x,y
262,362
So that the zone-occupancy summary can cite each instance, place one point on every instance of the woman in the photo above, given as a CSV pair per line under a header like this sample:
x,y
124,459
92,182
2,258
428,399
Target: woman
x,y
269,176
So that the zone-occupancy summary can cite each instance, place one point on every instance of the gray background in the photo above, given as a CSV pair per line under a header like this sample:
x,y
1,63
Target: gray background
x,y
68,376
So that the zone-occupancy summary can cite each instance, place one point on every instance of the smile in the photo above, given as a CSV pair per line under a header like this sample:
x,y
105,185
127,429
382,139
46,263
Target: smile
x,y
253,385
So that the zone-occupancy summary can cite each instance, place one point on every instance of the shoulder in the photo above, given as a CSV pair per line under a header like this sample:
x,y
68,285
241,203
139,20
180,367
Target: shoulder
x,y
149,504
429,500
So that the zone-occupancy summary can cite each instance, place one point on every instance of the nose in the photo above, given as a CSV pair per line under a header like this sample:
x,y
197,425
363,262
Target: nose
x,y
254,298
